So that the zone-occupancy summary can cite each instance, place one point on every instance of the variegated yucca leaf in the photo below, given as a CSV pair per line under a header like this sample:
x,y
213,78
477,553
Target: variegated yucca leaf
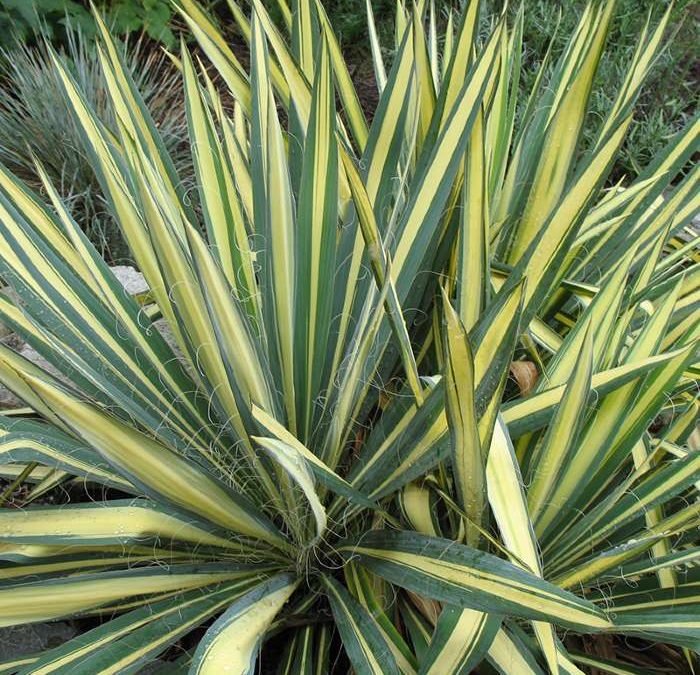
x,y
303,444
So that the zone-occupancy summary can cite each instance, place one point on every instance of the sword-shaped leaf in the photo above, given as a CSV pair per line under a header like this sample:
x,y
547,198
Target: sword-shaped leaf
x,y
468,578
364,643
232,642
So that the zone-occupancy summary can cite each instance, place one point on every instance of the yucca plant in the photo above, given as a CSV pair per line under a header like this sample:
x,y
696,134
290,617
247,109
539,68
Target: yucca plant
x,y
331,471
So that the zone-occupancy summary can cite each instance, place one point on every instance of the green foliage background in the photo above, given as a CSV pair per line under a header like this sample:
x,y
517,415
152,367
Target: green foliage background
x,y
23,18
669,98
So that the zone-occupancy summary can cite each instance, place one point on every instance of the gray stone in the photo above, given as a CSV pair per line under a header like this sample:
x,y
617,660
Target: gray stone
x,y
17,641
8,400
162,326
132,280
37,359
5,331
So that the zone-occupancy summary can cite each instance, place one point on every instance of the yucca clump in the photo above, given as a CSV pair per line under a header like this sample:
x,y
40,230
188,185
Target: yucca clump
x,y
329,473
